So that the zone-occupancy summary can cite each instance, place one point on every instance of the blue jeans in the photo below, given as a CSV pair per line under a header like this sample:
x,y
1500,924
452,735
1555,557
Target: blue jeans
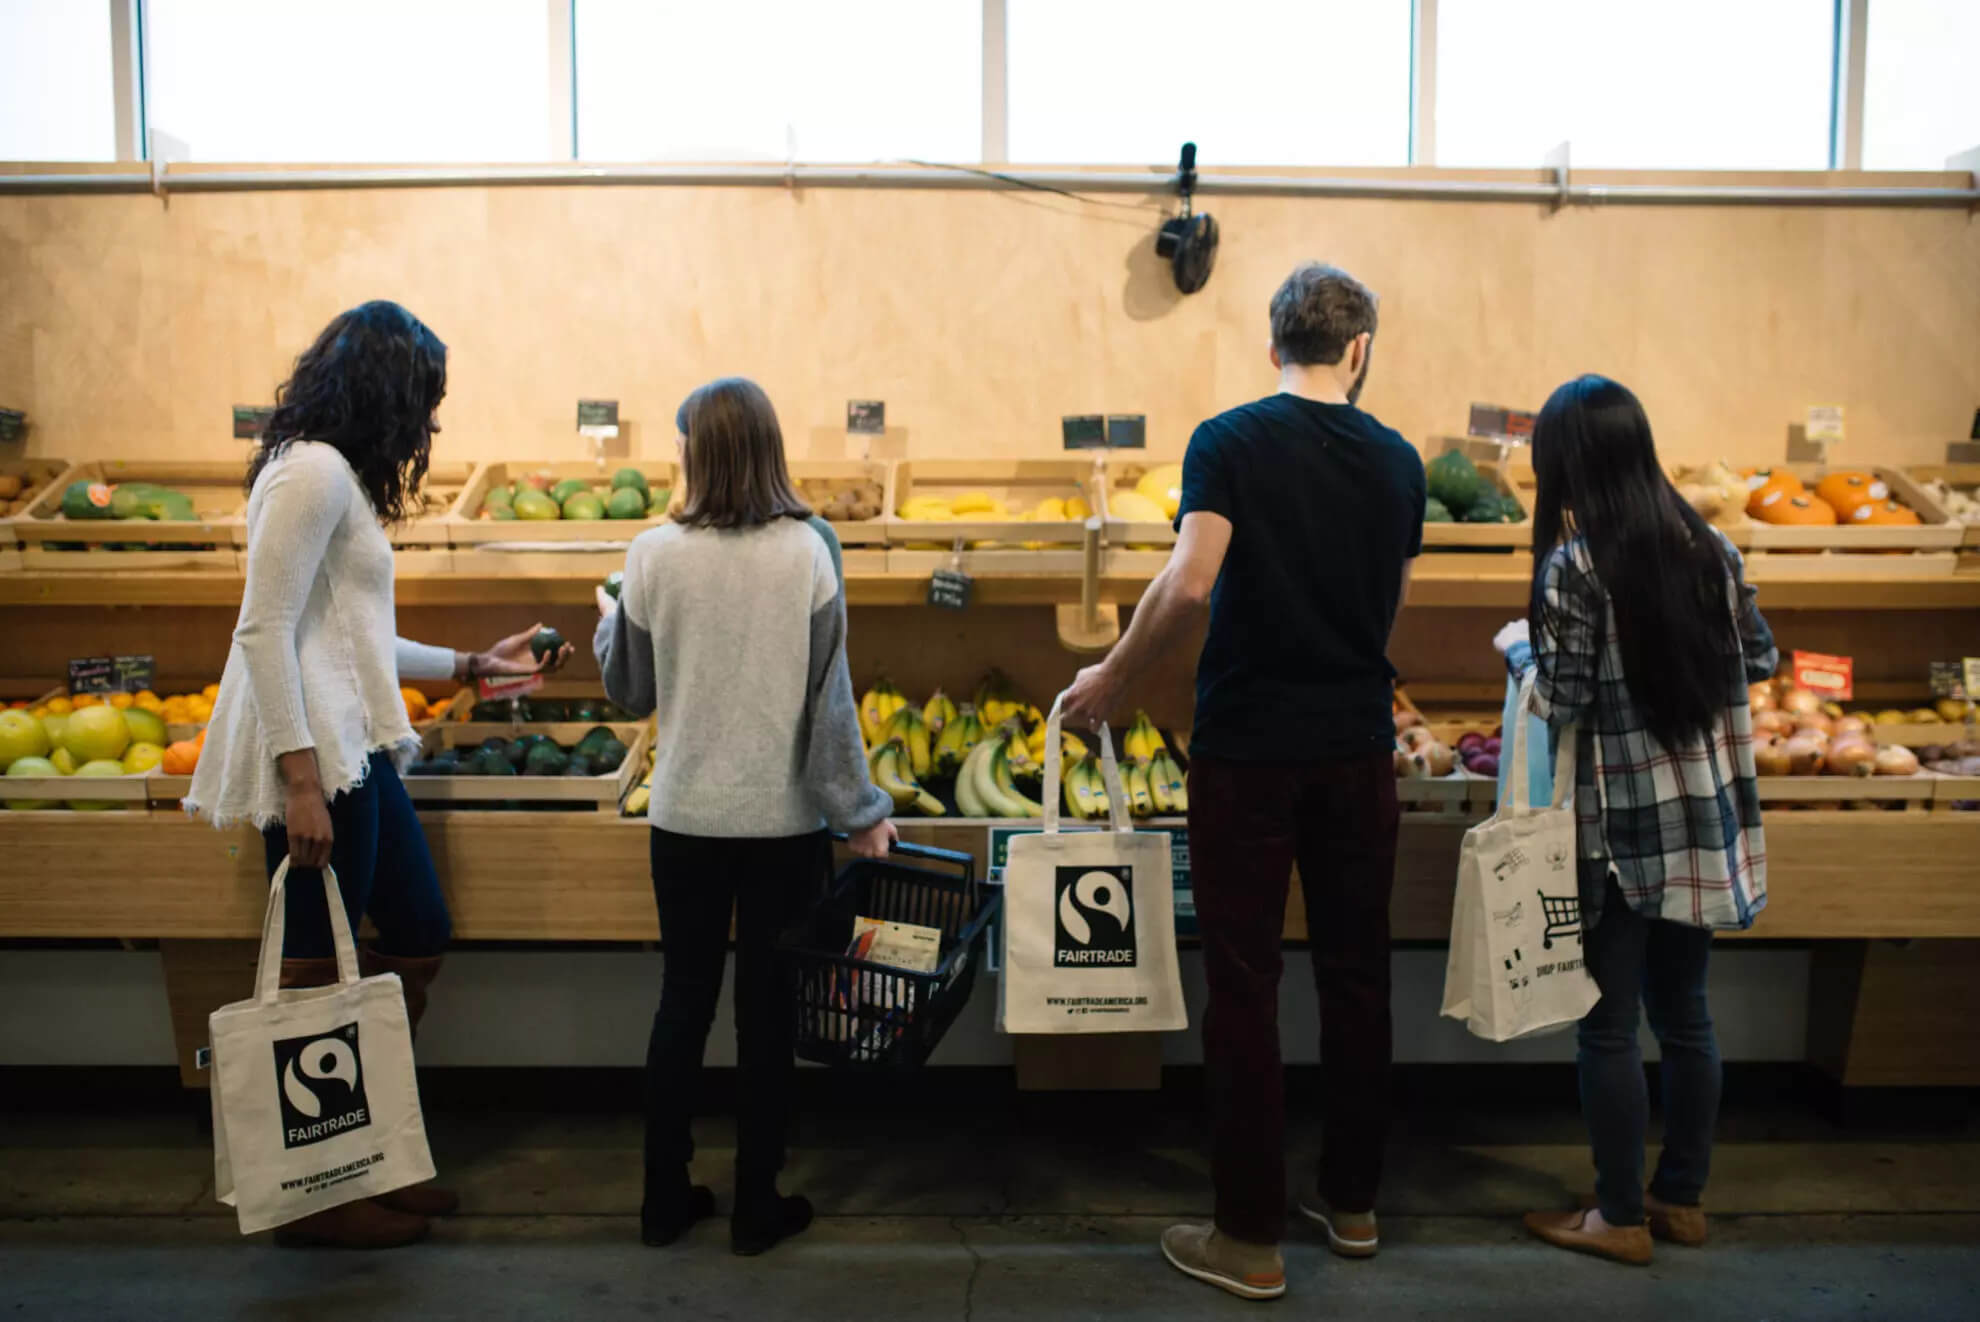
x,y
1662,964
383,869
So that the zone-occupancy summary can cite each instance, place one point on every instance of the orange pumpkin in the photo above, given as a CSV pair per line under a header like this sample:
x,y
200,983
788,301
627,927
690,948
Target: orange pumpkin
x,y
1844,491
1764,483
180,759
1803,511
1884,514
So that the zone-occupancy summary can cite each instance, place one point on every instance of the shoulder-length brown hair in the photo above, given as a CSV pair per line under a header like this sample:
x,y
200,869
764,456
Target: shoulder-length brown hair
x,y
733,459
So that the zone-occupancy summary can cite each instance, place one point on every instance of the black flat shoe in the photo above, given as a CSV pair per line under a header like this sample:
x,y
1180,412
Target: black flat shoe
x,y
657,1232
762,1227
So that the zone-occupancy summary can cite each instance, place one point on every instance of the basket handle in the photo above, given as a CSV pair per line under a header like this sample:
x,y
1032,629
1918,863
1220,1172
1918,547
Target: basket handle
x,y
964,863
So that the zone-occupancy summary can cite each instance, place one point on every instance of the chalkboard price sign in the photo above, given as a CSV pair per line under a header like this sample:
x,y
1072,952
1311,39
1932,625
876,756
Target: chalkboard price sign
x,y
111,674
598,413
866,417
250,420
949,589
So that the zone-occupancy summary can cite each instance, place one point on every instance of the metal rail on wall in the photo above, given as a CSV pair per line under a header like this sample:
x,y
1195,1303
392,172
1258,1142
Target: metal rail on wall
x,y
1151,183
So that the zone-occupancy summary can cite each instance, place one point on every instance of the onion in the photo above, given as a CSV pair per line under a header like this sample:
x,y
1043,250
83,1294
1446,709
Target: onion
x,y
1896,761
1406,720
1773,722
1761,696
1816,721
1469,740
1853,757
1855,725
1401,764
1771,758
1805,755
1416,736
1833,710
1440,758
1417,767
1801,702
1482,764
1493,746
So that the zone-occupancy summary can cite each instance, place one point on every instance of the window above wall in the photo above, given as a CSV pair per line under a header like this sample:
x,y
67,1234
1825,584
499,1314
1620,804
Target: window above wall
x,y
1252,82
1671,85
355,80
1921,88
56,99
811,80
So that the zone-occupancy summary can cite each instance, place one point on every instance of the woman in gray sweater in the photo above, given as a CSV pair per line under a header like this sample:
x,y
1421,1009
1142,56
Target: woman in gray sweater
x,y
730,626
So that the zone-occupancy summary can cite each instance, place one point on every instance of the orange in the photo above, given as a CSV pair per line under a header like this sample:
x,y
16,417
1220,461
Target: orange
x,y
121,700
82,700
415,704
211,693
60,706
201,709
146,700
181,758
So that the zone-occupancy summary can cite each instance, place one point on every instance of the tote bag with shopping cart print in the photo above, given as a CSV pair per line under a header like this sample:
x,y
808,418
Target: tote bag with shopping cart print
x,y
314,1100
1515,965
1089,920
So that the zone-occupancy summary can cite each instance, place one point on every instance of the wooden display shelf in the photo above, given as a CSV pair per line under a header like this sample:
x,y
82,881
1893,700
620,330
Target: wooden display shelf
x,y
210,542
602,793
1936,533
584,876
1022,482
423,544
1876,792
526,548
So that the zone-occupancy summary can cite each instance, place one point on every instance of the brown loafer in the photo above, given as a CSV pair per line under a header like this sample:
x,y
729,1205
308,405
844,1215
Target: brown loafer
x,y
1626,1244
1674,1223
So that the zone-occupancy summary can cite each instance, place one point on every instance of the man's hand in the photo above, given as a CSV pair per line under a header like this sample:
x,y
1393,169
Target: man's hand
x,y
1095,692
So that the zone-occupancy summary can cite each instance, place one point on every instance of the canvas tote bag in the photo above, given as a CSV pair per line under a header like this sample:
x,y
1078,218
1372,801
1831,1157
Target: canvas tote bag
x,y
1089,920
1515,965
314,1100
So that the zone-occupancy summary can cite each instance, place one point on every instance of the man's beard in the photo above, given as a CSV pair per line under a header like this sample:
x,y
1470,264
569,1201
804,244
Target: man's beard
x,y
1354,393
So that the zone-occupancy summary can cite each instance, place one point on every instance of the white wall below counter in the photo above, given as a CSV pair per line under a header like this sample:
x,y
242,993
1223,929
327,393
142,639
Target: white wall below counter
x,y
593,1008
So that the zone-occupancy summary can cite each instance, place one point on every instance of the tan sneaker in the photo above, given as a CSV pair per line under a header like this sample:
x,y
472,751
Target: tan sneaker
x,y
1626,1244
1350,1234
1673,1223
1249,1271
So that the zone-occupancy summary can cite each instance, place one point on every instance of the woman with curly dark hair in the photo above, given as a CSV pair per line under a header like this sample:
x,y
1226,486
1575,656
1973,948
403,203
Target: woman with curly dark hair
x,y
309,730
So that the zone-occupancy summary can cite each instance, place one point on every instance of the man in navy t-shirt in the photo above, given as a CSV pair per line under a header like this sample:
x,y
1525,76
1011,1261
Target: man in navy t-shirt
x,y
1300,518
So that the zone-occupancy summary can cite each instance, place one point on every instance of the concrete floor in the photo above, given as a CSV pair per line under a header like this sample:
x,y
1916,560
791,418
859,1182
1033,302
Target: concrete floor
x,y
1014,1208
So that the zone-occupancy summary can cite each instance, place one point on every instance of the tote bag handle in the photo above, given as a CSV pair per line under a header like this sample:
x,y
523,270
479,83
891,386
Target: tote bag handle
x,y
1521,787
1110,770
268,969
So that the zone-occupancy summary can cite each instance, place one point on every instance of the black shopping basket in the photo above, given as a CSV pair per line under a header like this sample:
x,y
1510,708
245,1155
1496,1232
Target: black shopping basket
x,y
862,1015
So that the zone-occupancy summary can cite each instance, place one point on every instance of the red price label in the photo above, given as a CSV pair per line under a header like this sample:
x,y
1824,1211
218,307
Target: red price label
x,y
508,686
1829,676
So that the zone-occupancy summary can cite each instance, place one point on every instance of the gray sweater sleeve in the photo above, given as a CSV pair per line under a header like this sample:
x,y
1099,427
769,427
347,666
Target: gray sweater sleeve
x,y
834,759
624,649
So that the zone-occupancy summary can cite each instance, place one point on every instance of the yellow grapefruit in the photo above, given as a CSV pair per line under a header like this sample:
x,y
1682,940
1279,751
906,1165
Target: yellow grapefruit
x,y
97,769
63,761
145,727
142,757
31,766
97,734
21,736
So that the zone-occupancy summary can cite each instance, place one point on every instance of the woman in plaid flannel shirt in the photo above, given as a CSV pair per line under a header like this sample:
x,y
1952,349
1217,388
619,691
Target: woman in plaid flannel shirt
x,y
1644,639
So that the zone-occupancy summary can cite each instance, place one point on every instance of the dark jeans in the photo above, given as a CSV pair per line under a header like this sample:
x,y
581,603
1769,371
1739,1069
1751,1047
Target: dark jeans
x,y
698,883
1664,964
1248,823
379,853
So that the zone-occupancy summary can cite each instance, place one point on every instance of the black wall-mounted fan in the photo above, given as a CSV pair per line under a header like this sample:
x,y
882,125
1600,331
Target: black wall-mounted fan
x,y
1189,241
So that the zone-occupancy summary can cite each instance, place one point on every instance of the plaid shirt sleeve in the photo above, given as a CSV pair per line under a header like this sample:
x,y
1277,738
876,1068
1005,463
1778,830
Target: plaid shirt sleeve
x,y
1756,639
1567,646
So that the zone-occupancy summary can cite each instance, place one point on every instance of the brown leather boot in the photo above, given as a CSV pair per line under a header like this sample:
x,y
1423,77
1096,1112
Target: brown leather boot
x,y
417,974
359,1225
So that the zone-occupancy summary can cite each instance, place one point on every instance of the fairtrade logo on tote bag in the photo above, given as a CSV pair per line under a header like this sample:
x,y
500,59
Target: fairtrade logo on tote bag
x,y
1095,927
322,1088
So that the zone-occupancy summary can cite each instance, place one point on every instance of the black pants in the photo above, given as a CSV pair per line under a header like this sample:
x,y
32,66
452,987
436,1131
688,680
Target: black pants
x,y
698,882
1248,823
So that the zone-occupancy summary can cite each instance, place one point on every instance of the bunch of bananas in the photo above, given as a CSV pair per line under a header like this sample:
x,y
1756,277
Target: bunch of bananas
x,y
892,767
987,786
642,793
877,708
958,739
938,711
1151,780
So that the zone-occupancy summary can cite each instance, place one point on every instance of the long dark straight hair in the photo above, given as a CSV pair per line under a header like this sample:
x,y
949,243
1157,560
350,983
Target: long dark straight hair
x,y
368,388
732,459
1664,569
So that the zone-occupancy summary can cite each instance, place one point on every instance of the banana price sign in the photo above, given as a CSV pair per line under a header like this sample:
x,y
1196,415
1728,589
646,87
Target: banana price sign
x,y
1000,852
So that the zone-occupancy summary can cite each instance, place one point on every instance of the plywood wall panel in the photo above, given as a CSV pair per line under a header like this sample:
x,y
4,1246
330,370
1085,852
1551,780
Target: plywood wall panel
x,y
130,327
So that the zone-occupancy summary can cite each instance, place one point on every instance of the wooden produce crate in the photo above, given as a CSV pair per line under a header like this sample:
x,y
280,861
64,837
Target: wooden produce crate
x,y
921,546
1846,549
862,542
211,541
422,546
1911,793
1486,546
1134,549
36,476
490,548
1458,794
130,793
595,793
1962,477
